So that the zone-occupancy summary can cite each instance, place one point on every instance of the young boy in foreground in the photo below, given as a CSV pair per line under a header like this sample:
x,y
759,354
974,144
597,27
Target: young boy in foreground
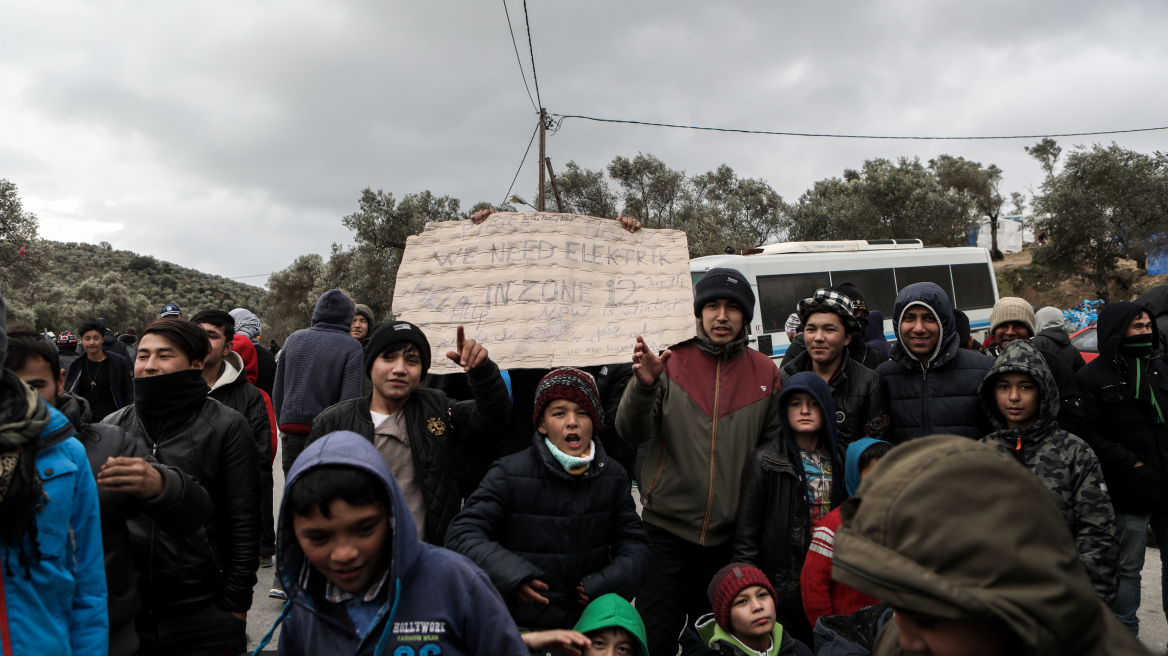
x,y
743,622
610,626
358,579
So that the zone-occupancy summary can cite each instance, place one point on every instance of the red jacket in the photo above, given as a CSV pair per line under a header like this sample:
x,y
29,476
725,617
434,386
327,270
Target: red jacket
x,y
821,595
251,367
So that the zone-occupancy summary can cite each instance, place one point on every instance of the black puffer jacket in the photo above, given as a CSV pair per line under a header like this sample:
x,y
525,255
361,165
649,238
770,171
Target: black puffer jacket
x,y
531,519
1121,429
445,437
773,531
180,510
860,350
942,398
1057,342
218,563
860,395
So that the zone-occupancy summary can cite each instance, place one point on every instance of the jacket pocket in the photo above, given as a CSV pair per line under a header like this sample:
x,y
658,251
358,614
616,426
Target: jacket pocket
x,y
53,520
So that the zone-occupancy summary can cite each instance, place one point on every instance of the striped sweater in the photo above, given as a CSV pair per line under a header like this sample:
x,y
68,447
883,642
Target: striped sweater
x,y
821,595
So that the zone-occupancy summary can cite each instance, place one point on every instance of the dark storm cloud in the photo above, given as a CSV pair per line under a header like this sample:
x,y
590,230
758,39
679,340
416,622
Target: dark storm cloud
x,y
234,136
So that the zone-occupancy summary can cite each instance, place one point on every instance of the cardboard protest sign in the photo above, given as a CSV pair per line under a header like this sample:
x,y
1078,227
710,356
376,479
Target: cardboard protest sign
x,y
543,290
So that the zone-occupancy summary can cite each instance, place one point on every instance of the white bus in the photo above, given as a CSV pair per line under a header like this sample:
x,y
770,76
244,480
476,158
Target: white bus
x,y
783,274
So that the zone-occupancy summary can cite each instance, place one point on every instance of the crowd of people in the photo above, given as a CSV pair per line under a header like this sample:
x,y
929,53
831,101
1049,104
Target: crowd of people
x,y
932,495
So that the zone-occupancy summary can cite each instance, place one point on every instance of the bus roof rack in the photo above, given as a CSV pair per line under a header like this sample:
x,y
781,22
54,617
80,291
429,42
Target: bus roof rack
x,y
837,246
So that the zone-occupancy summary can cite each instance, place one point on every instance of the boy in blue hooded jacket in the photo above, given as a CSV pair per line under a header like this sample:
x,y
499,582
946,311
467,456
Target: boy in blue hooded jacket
x,y
52,577
788,485
358,579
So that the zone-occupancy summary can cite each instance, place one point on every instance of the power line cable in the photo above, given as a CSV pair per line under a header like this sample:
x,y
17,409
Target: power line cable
x,y
521,163
518,58
254,275
561,118
531,49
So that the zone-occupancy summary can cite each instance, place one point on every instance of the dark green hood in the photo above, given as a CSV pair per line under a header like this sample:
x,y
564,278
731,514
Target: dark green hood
x,y
950,527
611,610
1020,357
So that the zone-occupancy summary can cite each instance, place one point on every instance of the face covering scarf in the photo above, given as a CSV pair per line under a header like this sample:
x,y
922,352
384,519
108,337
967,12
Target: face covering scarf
x,y
166,401
1139,349
572,464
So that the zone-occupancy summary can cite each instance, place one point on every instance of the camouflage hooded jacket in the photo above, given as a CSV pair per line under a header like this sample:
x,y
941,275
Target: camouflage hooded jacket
x,y
1063,462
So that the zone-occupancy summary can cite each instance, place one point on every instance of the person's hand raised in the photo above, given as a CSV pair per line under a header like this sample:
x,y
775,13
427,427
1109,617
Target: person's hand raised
x,y
647,365
470,353
481,215
628,222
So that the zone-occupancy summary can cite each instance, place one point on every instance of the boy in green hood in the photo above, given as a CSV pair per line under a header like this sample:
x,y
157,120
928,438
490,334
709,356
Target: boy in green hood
x,y
610,626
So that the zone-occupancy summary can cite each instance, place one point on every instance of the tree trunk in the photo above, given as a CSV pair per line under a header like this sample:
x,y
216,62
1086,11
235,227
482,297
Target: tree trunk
x,y
995,254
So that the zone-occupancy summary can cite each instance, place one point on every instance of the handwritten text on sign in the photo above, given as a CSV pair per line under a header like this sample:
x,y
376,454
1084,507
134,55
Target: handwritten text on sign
x,y
546,290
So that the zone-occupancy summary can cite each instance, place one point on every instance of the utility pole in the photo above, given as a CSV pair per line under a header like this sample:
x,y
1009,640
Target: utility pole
x,y
555,187
542,154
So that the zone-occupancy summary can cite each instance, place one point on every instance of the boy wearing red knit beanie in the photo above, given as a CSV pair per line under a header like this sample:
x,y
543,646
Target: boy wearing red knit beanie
x,y
555,526
743,622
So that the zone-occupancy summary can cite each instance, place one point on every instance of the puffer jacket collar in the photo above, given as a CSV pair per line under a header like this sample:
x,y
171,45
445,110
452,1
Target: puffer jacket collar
x,y
934,298
1020,356
551,464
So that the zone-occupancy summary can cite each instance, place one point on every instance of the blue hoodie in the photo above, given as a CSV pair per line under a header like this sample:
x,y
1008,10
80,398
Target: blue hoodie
x,y
852,462
438,601
60,607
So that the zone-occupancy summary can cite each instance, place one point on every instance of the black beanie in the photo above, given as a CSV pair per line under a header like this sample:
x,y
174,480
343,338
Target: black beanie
x,y
724,283
850,290
390,333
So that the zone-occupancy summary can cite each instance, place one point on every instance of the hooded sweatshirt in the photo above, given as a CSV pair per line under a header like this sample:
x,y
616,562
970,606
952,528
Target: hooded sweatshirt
x,y
611,610
927,534
1124,429
874,333
1064,463
940,397
1054,340
318,366
435,601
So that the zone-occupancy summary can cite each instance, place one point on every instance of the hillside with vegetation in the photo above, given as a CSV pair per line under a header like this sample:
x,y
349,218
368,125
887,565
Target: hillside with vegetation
x,y
123,287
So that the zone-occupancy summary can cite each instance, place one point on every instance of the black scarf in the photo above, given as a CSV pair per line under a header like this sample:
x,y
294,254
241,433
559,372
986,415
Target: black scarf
x,y
23,417
167,401
1137,349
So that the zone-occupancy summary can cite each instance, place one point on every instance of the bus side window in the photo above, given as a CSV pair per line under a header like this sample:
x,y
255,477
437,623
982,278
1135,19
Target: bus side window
x,y
973,286
938,274
779,296
877,286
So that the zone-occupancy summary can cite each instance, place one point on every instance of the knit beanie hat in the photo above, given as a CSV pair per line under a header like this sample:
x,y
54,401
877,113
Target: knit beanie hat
x,y
576,386
826,300
1012,308
395,332
851,291
727,583
793,323
361,308
724,283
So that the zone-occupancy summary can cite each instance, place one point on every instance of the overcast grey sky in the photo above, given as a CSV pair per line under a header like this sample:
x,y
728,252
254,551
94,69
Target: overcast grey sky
x,y
233,136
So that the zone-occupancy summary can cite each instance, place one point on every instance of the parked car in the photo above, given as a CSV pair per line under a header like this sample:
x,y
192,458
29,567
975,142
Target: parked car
x,y
1087,341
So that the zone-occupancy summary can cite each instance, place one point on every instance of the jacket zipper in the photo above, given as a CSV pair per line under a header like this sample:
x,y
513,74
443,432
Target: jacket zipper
x,y
214,558
653,483
713,450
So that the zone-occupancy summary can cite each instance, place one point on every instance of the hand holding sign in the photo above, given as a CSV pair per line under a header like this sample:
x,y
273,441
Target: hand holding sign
x,y
647,365
470,353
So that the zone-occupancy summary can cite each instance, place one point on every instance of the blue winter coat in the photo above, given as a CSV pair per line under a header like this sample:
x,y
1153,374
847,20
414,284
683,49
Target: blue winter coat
x,y
438,601
60,608
941,398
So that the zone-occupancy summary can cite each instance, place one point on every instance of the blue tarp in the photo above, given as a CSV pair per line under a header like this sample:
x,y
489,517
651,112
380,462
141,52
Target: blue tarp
x,y
1082,315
